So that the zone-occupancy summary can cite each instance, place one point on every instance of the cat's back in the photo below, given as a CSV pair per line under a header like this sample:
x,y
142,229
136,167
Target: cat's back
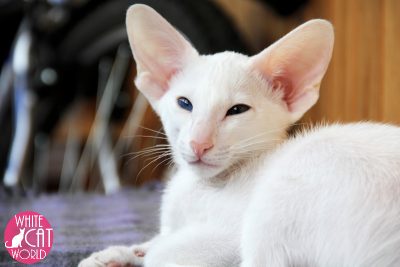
x,y
333,185
336,146
338,156
369,134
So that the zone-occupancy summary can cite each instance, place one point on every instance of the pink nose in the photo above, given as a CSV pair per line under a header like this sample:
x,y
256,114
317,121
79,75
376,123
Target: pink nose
x,y
200,148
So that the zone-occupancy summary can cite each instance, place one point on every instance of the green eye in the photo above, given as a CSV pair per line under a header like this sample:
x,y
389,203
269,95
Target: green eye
x,y
237,109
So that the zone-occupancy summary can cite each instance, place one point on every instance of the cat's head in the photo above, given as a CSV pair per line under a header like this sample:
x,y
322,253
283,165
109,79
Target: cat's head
x,y
21,230
218,110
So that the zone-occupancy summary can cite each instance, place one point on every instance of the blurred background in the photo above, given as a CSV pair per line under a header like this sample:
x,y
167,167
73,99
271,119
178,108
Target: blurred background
x,y
72,121
81,146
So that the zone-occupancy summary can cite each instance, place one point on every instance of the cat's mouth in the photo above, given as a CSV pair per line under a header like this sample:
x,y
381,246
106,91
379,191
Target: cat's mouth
x,y
202,163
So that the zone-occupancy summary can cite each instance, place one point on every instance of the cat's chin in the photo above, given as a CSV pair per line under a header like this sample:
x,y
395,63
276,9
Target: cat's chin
x,y
203,164
204,169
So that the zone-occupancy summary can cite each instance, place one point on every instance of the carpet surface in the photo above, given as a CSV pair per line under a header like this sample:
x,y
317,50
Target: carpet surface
x,y
83,223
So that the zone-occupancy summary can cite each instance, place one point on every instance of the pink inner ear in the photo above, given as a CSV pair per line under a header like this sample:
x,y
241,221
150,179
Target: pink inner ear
x,y
295,84
160,51
284,84
296,64
158,57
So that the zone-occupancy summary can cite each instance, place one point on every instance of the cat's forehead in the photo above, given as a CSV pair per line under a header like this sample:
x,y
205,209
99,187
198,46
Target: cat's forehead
x,y
222,73
226,68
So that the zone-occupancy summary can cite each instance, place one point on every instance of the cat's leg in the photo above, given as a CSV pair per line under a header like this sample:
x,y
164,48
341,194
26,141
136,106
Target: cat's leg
x,y
116,256
264,254
271,234
195,246
141,250
260,248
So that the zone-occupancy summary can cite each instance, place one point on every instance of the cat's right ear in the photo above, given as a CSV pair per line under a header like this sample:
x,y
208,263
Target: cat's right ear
x,y
160,51
296,64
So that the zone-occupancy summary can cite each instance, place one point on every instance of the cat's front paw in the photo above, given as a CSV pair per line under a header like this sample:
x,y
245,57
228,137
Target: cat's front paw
x,y
116,256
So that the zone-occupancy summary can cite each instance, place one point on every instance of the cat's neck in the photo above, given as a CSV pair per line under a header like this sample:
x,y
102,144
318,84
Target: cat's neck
x,y
242,171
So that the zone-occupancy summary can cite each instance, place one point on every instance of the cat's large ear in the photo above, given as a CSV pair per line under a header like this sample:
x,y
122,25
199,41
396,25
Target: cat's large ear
x,y
296,64
159,50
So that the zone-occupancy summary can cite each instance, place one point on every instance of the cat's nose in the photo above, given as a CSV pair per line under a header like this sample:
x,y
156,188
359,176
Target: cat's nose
x,y
200,148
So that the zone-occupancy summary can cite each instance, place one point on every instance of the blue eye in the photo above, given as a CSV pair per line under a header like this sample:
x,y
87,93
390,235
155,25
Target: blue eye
x,y
237,109
184,103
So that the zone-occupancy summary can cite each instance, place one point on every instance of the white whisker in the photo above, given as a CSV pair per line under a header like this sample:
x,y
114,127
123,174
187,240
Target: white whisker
x,y
146,136
154,160
152,130
163,161
146,152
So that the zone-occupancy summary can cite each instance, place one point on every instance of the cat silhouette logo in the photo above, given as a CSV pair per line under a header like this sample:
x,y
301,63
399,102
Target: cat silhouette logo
x,y
28,237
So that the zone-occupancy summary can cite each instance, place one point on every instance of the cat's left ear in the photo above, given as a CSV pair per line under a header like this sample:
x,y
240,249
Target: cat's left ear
x,y
297,63
160,51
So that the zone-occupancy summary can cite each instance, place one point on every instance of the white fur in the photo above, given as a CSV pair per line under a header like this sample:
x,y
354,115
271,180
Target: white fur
x,y
328,197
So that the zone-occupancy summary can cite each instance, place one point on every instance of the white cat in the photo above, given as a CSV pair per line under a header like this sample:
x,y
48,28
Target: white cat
x,y
243,194
17,239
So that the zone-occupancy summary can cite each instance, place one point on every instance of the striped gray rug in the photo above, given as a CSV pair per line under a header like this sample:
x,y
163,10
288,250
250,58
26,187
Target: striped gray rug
x,y
84,223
